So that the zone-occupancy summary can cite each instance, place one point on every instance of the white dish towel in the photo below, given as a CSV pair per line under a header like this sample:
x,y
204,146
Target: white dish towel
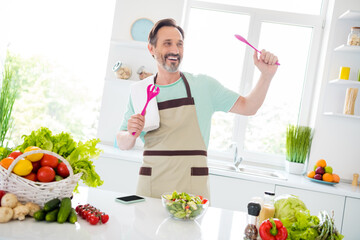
x,y
139,97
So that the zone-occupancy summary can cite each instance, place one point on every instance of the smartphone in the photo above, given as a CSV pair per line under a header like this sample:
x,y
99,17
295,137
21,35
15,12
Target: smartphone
x,y
130,199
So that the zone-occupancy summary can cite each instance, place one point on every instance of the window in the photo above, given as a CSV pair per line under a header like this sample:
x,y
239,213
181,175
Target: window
x,y
59,51
211,48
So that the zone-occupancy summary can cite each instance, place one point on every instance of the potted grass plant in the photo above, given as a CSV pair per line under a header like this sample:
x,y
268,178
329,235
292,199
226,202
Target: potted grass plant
x,y
298,143
8,91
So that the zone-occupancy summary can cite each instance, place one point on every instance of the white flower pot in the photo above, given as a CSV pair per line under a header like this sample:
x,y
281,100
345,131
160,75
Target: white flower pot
x,y
294,168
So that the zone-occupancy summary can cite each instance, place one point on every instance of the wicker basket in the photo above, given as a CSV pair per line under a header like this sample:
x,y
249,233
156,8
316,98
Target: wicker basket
x,y
37,192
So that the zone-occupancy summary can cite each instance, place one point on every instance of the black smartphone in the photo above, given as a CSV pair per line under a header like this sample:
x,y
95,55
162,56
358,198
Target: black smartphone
x,y
130,199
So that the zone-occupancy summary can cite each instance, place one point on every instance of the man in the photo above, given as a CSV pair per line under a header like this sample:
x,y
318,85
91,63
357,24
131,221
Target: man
x,y
175,153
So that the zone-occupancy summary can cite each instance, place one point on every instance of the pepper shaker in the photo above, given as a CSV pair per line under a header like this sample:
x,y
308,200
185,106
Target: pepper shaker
x,y
251,230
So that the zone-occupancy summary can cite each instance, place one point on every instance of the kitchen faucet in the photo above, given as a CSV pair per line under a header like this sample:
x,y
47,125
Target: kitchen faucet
x,y
237,159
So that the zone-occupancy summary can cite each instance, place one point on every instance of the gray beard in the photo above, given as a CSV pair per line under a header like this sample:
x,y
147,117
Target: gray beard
x,y
172,68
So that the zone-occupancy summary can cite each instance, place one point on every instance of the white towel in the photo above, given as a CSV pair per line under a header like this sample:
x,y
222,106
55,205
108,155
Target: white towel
x,y
139,97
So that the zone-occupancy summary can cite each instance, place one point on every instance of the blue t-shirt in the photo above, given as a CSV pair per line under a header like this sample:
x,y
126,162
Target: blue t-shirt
x,y
209,96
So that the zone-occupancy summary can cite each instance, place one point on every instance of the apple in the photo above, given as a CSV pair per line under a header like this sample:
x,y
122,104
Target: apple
x,y
328,169
320,170
318,176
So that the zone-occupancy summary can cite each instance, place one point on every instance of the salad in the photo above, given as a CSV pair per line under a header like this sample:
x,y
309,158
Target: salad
x,y
184,206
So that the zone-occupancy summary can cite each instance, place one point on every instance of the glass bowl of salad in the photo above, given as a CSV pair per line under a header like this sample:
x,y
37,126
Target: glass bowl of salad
x,y
184,206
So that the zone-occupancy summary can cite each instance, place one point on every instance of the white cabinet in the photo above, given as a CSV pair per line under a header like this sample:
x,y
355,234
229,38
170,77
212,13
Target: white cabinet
x,y
350,226
118,175
316,202
233,193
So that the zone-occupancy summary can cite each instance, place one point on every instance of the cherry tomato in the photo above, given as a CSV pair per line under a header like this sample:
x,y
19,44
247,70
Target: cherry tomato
x,y
204,201
93,220
62,170
104,218
15,154
49,160
46,174
32,176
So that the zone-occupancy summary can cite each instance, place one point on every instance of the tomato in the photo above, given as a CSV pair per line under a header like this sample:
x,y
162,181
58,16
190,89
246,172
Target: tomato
x,y
31,176
62,170
49,160
93,220
104,218
2,193
46,174
15,154
36,166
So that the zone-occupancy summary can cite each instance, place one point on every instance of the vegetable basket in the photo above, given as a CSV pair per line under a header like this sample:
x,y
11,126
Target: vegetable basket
x,y
37,192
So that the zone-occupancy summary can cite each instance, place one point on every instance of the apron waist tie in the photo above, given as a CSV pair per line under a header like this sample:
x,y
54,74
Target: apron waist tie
x,y
174,153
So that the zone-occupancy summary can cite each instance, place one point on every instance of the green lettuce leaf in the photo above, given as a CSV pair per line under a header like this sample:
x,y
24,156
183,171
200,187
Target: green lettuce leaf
x,y
63,144
40,138
80,161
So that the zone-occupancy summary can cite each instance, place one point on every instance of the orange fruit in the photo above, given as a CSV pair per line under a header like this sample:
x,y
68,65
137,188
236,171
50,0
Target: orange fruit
x,y
321,163
327,177
336,178
33,157
311,174
6,162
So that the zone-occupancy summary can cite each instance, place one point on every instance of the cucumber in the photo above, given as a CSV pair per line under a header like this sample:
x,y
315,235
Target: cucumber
x,y
72,216
51,205
64,211
40,215
52,216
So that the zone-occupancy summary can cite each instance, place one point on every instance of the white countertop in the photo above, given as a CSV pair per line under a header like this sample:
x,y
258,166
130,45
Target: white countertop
x,y
294,181
144,220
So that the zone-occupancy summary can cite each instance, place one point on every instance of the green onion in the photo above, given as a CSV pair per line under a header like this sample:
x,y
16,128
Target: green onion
x,y
7,98
298,143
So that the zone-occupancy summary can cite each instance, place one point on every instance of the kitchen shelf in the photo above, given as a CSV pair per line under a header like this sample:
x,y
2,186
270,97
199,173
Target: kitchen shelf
x,y
350,15
344,82
347,48
341,115
129,44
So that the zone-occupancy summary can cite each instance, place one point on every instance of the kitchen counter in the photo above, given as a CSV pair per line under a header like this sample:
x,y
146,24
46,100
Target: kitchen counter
x,y
144,220
294,181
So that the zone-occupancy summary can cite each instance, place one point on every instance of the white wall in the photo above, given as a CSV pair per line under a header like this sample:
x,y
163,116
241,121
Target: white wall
x,y
132,53
337,139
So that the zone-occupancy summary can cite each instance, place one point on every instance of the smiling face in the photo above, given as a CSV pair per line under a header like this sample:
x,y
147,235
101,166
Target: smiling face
x,y
168,50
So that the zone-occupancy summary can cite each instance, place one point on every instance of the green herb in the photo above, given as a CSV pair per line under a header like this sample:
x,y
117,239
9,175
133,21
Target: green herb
x,y
298,143
7,99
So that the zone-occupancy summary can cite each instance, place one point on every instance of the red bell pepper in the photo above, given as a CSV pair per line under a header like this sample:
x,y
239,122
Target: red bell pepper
x,y
273,229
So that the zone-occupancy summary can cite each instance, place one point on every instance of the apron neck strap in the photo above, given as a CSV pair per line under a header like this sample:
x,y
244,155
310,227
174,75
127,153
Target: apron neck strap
x,y
185,82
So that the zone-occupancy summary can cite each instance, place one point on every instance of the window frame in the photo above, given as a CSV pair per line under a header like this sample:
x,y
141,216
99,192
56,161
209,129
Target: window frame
x,y
257,16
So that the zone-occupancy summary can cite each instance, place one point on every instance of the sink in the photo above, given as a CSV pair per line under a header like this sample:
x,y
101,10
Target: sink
x,y
262,173
248,170
226,167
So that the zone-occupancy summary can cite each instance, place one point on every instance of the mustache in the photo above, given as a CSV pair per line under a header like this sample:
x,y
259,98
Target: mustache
x,y
172,55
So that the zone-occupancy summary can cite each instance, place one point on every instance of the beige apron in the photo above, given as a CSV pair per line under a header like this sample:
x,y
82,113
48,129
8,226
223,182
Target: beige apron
x,y
175,156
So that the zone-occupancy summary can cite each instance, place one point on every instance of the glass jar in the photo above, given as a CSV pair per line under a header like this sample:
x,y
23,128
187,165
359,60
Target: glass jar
x,y
354,37
121,70
268,208
143,73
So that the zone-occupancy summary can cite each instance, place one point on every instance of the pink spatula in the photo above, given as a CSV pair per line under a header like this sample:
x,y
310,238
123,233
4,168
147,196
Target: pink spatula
x,y
151,93
245,41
